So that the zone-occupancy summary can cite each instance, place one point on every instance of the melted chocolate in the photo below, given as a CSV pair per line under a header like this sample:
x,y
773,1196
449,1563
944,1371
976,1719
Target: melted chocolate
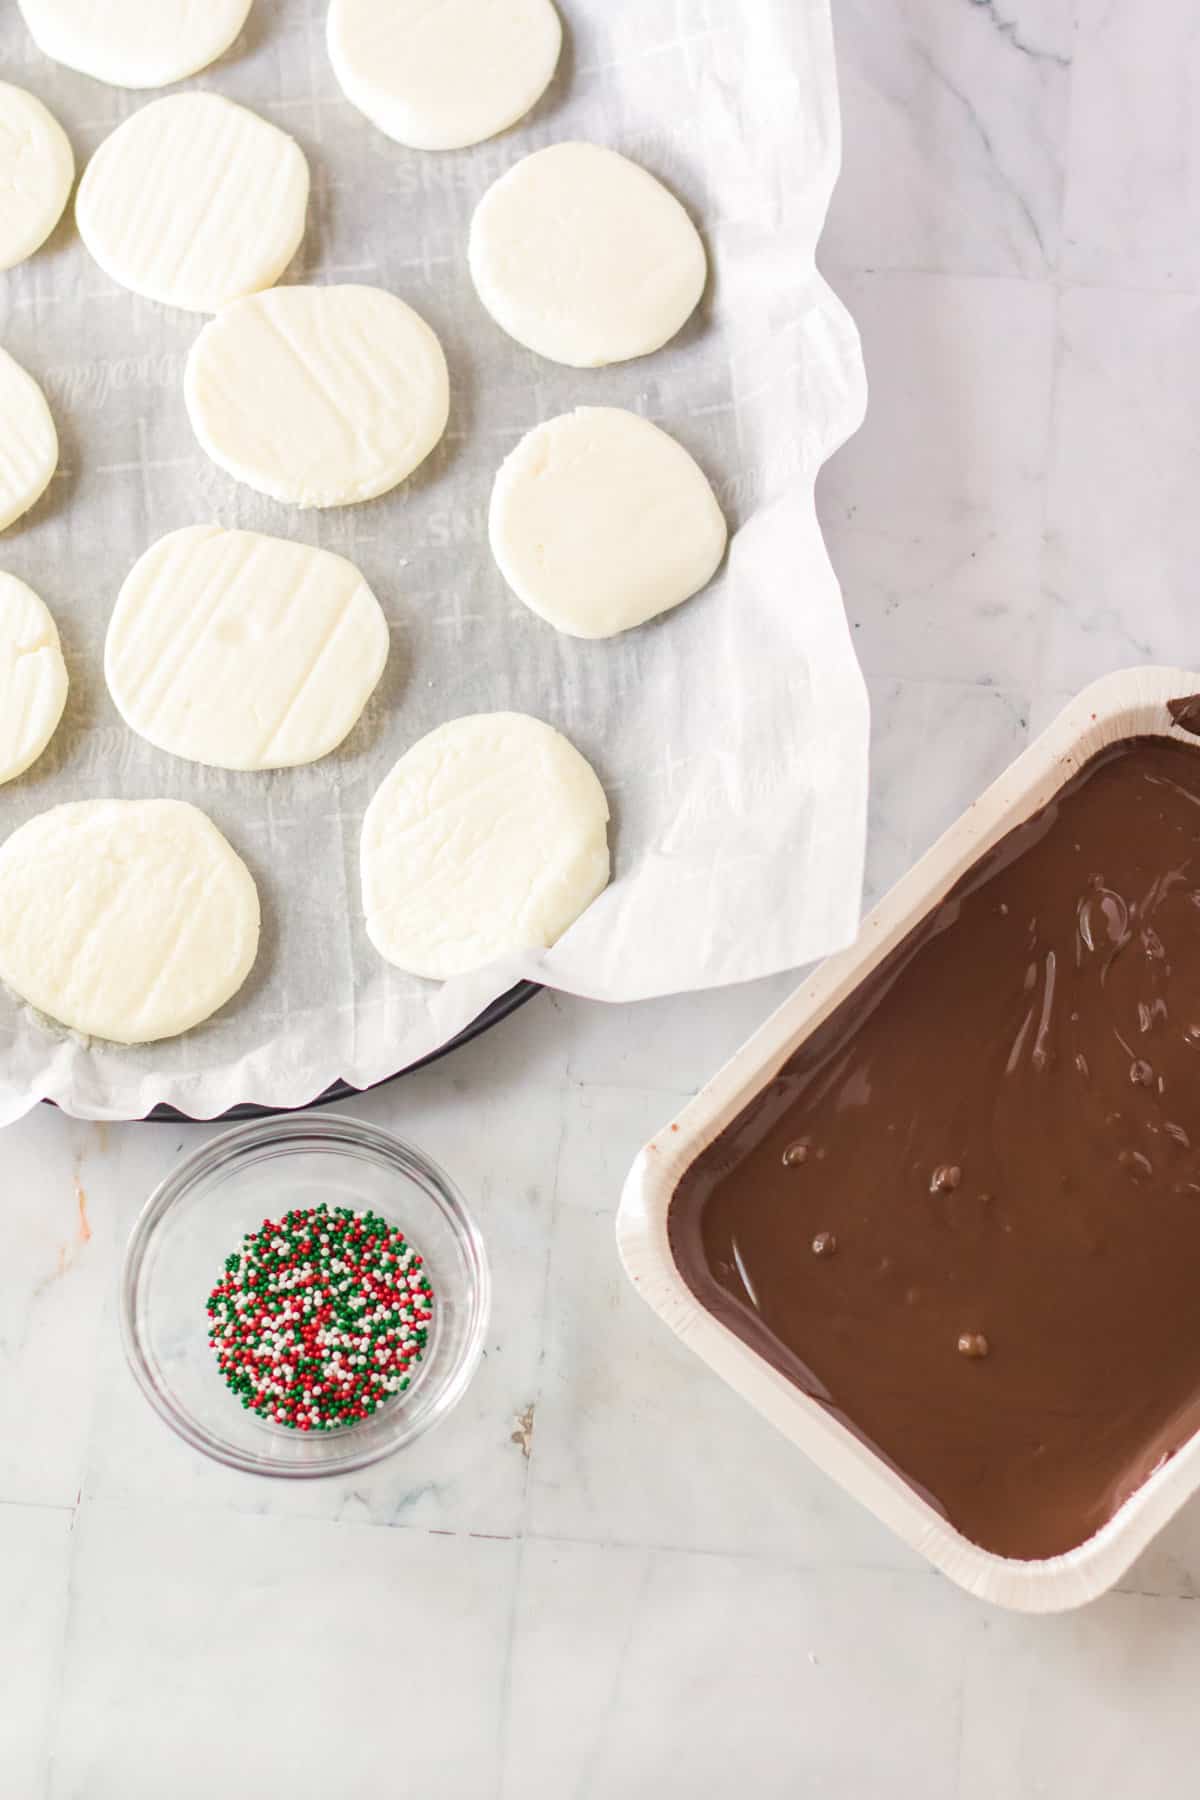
x,y
999,1131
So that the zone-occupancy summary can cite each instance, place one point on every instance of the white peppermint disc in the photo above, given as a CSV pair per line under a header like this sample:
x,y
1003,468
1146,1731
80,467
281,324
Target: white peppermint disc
x,y
318,396
135,43
28,441
131,920
37,167
489,837
243,651
599,521
442,77
194,201
33,677
584,257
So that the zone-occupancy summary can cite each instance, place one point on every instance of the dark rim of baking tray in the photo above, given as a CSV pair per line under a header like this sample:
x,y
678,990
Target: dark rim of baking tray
x,y
502,1008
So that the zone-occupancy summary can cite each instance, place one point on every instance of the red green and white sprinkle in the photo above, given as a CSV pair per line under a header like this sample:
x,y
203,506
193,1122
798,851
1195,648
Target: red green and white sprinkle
x,y
320,1317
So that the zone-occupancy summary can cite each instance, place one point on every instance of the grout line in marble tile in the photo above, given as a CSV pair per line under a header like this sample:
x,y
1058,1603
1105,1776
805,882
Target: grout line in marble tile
x,y
1137,1593
539,1384
67,1506
79,1509
1155,290
107,1322
1041,633
960,1735
58,1674
773,1558
606,1716
1067,121
958,684
842,273
818,1566
554,1003
583,1085
909,833
505,1697
834,272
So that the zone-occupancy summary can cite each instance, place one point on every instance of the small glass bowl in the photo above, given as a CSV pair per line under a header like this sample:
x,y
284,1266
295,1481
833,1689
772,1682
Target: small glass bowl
x,y
199,1215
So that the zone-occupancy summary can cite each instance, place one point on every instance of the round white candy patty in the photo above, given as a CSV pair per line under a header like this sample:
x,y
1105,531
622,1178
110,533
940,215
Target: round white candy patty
x,y
28,441
33,677
194,202
489,837
37,168
599,521
243,651
318,396
442,77
131,920
584,257
135,43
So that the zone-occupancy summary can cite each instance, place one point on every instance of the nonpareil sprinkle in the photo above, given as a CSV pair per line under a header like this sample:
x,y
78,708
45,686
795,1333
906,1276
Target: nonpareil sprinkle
x,y
320,1317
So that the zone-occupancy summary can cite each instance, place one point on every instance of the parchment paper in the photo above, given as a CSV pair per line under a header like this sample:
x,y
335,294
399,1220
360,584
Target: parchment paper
x,y
731,735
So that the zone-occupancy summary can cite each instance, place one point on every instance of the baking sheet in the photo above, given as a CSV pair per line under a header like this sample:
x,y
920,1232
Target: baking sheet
x,y
731,736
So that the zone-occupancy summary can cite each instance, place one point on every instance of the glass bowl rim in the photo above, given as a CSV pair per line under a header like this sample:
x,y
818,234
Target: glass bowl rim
x,y
323,1130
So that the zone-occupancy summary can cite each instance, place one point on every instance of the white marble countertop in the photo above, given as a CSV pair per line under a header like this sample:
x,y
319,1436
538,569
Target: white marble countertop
x,y
652,1594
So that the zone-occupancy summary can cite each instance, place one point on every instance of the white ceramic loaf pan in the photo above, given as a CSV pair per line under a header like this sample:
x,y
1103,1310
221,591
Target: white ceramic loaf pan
x,y
1129,704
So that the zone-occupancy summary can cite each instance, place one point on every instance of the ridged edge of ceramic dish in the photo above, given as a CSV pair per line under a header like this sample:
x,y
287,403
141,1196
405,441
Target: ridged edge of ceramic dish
x,y
1131,703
